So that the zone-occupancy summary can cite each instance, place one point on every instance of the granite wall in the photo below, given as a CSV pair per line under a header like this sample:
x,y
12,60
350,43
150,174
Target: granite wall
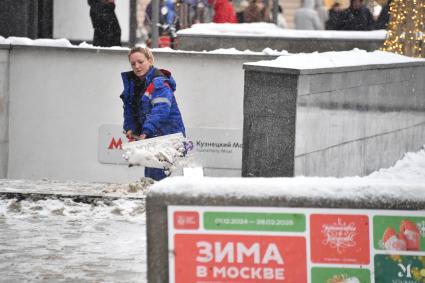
x,y
4,110
33,19
331,122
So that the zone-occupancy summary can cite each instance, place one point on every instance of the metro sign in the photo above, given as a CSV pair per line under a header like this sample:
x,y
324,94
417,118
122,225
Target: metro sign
x,y
110,142
212,148
115,144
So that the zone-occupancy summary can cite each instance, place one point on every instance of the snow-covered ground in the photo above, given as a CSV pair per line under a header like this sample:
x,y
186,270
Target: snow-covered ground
x,y
58,239
61,240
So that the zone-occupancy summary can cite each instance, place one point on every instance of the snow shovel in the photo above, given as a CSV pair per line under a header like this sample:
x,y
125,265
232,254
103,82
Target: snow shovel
x,y
160,152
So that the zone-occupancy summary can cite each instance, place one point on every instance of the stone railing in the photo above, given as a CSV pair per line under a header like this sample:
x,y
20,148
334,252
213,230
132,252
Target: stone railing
x,y
293,41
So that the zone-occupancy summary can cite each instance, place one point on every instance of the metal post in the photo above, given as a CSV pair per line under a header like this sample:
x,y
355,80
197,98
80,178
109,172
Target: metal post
x,y
45,19
155,21
32,16
275,10
133,23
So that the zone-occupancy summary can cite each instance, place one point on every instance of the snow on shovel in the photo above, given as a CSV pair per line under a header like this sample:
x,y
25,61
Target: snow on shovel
x,y
162,152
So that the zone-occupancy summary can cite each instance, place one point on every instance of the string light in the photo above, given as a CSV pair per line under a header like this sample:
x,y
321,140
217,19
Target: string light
x,y
406,29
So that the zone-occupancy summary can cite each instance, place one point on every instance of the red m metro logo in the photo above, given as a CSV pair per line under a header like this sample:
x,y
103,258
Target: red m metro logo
x,y
115,144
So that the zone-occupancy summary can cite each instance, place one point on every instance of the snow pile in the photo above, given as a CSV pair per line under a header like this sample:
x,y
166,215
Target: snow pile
x,y
136,189
404,181
266,51
225,51
65,241
37,42
74,189
88,45
120,209
409,169
12,40
162,152
231,51
355,57
317,188
269,51
271,30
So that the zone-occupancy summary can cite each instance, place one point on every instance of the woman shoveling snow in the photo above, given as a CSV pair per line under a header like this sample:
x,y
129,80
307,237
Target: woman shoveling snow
x,y
150,111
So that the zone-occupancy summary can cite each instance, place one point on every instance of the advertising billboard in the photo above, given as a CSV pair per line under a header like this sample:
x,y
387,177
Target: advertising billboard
x,y
253,244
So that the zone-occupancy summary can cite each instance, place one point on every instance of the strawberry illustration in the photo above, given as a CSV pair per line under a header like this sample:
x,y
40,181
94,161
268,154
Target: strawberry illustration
x,y
411,233
392,241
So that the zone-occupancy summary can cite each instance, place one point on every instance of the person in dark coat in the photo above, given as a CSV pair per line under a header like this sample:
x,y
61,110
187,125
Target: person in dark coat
x,y
257,11
356,17
384,17
107,30
150,108
333,22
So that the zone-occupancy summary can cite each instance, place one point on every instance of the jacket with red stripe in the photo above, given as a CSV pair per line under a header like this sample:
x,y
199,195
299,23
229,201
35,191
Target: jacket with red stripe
x,y
155,111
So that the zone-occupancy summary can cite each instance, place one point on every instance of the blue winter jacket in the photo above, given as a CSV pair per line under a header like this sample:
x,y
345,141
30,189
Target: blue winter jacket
x,y
157,113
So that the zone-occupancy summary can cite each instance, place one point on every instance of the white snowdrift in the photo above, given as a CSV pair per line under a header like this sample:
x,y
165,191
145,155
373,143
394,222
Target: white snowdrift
x,y
161,152
355,57
404,181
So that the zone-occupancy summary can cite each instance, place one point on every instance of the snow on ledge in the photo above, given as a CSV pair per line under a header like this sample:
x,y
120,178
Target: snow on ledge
x,y
67,44
271,30
404,181
353,188
12,40
226,51
355,57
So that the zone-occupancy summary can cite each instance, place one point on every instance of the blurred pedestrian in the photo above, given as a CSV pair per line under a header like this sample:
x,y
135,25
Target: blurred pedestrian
x,y
223,11
107,30
384,16
334,21
281,22
240,6
203,12
168,24
356,17
321,11
193,12
257,11
167,16
307,17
